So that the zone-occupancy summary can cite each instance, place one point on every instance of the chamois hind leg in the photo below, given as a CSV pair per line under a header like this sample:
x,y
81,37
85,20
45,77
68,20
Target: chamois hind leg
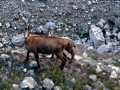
x,y
37,59
27,58
72,54
64,60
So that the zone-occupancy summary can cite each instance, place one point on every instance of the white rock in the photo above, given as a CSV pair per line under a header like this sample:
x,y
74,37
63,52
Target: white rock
x,y
8,25
57,88
102,20
118,35
77,57
98,69
15,86
100,24
85,54
47,83
114,67
23,0
25,70
93,77
28,82
89,2
0,24
4,56
113,74
1,45
73,80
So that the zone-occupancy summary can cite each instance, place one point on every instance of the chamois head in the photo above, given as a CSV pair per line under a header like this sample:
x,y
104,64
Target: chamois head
x,y
51,31
27,30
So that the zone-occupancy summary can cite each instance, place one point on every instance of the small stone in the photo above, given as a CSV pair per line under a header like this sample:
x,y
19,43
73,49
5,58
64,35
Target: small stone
x,y
57,88
15,86
77,57
25,70
93,77
7,24
113,75
47,83
33,64
73,80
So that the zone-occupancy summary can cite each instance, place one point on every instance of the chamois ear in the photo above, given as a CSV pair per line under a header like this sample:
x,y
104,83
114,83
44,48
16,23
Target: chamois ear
x,y
49,28
29,27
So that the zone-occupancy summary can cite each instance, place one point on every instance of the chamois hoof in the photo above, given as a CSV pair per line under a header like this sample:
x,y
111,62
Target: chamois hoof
x,y
61,68
70,62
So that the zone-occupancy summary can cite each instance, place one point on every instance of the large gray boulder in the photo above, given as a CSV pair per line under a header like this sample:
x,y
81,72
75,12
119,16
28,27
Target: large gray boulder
x,y
96,36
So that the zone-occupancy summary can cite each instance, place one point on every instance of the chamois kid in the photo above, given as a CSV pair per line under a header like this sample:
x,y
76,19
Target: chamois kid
x,y
45,45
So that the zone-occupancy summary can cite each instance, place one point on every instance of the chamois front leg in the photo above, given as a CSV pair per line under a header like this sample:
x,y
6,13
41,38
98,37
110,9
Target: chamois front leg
x,y
72,54
27,58
37,59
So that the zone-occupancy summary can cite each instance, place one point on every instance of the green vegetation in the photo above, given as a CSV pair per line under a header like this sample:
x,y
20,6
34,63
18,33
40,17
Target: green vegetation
x,y
94,57
117,64
5,86
1,63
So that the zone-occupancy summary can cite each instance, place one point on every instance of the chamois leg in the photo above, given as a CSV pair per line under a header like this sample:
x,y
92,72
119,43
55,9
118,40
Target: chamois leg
x,y
72,54
52,56
64,60
37,59
27,58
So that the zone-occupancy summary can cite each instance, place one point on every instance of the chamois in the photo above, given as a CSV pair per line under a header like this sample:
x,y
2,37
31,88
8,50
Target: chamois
x,y
45,45
69,46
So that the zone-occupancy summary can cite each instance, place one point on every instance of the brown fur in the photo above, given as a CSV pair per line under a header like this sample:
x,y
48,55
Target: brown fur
x,y
69,48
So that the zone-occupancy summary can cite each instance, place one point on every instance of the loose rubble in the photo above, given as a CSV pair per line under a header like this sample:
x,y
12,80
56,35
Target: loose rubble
x,y
93,25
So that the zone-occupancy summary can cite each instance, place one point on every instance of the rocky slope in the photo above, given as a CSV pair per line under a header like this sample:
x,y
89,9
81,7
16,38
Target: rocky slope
x,y
94,26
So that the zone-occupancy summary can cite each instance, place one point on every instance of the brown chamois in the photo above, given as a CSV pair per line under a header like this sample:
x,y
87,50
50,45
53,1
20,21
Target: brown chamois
x,y
68,48
45,45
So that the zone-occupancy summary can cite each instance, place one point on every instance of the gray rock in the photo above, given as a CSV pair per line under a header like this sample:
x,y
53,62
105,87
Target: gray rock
x,y
28,82
104,48
98,84
47,83
113,75
73,80
57,88
105,88
25,14
18,40
30,72
7,24
15,86
4,56
33,64
87,87
50,25
93,77
96,36
1,45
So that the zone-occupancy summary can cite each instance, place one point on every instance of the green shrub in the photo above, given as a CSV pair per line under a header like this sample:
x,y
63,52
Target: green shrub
x,y
117,64
94,57
55,74
5,86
